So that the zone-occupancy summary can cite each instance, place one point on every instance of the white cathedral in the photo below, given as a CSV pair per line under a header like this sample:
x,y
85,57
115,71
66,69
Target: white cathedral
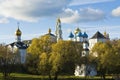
x,y
79,36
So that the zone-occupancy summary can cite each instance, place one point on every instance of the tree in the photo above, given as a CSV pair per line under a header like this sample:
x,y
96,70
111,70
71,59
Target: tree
x,y
100,49
51,58
107,59
113,57
40,50
65,55
7,61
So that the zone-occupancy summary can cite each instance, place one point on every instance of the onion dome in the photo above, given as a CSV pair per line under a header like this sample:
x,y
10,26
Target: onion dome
x,y
18,32
79,34
71,35
85,35
77,30
49,33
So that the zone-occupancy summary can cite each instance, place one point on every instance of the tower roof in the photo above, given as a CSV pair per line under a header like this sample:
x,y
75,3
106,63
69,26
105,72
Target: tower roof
x,y
71,35
18,32
85,35
98,35
79,34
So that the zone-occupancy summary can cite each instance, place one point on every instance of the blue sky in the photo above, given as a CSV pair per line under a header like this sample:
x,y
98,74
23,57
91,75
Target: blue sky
x,y
37,16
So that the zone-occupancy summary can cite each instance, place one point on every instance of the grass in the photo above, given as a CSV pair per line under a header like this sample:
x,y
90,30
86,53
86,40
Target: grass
x,y
18,76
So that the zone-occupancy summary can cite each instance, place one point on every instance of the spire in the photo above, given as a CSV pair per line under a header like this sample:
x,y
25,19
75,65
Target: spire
x,y
18,33
58,30
106,35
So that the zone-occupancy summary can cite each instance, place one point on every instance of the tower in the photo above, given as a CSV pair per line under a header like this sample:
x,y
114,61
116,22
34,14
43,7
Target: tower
x,y
58,30
18,34
85,51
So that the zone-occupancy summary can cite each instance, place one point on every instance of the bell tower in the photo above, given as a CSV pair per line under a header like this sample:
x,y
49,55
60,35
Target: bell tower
x,y
58,30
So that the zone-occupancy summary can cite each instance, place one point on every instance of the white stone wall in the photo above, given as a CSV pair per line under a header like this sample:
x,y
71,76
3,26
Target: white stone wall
x,y
92,42
80,70
22,55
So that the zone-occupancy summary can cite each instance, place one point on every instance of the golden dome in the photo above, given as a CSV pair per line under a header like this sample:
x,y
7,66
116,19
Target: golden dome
x,y
77,30
18,32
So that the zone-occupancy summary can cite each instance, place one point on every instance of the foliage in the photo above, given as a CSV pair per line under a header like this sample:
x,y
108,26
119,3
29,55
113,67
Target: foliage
x,y
107,58
50,58
38,55
7,61
64,56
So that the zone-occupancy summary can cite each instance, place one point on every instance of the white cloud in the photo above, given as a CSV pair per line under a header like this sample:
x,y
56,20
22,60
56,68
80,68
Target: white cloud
x,y
116,12
82,15
4,20
31,10
70,16
82,2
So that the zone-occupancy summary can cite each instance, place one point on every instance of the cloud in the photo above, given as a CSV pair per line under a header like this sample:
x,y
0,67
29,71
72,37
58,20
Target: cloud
x,y
4,20
31,10
82,15
116,12
83,2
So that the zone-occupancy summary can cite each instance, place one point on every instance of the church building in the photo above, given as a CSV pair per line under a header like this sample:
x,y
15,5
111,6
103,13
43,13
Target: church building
x,y
19,47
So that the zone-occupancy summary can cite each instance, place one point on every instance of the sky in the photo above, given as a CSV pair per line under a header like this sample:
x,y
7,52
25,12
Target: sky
x,y
37,16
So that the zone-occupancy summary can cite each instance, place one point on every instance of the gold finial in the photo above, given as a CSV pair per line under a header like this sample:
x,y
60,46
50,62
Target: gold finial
x,y
58,20
49,31
105,34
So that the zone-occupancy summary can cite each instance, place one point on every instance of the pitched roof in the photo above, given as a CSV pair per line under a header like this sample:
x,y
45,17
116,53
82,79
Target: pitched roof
x,y
50,34
20,45
98,35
